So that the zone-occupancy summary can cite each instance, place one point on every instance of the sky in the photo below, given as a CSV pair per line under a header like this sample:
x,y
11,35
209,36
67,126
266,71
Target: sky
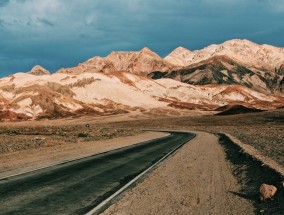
x,y
63,33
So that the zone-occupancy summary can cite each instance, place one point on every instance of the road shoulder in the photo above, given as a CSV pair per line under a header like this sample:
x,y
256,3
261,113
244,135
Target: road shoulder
x,y
195,180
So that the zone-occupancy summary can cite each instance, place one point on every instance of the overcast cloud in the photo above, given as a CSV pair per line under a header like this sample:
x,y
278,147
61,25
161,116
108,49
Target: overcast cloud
x,y
63,33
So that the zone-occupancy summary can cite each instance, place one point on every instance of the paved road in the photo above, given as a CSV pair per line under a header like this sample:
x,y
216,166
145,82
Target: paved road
x,y
77,187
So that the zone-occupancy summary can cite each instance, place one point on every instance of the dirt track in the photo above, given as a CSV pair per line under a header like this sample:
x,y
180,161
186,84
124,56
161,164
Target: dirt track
x,y
196,180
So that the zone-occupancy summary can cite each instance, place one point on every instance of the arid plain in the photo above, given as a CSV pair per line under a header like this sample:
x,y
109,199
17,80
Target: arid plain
x,y
29,145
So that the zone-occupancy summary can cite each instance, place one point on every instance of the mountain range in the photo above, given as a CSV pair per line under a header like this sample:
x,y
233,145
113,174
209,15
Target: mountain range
x,y
237,72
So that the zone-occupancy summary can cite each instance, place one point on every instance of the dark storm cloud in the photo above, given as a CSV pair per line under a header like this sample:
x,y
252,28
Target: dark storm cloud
x,y
3,3
45,22
59,33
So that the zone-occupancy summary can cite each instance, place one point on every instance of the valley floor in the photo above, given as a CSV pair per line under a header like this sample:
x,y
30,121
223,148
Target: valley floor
x,y
200,163
264,131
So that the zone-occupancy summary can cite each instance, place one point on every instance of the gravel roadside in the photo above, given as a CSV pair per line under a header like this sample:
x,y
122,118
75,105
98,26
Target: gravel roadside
x,y
196,180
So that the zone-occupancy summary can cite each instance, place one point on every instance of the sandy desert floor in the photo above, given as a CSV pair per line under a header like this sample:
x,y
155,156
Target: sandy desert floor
x,y
263,130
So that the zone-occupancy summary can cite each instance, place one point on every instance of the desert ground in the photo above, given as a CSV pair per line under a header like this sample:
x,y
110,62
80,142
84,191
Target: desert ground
x,y
34,144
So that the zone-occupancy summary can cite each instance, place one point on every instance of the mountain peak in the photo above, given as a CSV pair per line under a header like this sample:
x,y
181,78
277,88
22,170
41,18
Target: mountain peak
x,y
181,49
180,56
240,42
38,71
146,49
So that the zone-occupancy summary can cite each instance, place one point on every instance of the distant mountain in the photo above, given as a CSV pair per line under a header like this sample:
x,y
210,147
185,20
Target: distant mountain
x,y
260,67
140,62
264,57
237,72
243,62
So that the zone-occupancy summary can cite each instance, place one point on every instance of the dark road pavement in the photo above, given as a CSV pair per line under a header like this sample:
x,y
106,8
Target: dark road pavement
x,y
78,186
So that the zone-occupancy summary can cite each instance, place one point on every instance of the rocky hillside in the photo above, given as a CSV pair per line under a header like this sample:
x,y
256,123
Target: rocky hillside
x,y
26,96
260,67
221,69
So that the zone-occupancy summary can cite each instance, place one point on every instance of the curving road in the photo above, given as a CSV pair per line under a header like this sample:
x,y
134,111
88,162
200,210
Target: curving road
x,y
78,186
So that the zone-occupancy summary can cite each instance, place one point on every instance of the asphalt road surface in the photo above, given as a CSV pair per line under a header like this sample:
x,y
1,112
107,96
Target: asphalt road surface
x,y
78,186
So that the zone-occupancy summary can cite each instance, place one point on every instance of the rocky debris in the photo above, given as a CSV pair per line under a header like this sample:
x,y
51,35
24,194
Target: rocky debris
x,y
267,192
251,169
